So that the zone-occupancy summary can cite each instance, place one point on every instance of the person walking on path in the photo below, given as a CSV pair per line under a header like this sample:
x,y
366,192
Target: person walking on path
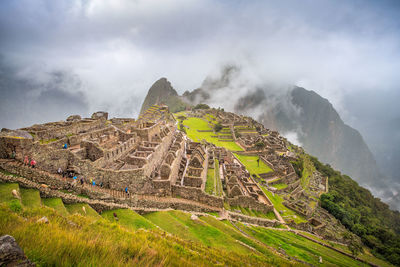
x,y
33,163
59,171
26,160
81,181
94,183
126,191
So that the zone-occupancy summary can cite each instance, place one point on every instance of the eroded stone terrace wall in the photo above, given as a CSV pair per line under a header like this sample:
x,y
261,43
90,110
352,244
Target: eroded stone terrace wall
x,y
63,130
249,202
198,195
253,220
158,156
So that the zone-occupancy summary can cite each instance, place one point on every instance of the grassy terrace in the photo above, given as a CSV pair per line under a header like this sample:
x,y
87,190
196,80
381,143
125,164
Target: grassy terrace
x,y
210,182
284,211
194,124
128,218
300,247
218,182
280,186
250,162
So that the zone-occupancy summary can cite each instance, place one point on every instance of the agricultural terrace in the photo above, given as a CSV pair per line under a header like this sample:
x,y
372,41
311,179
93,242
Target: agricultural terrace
x,y
250,162
299,247
192,126
285,212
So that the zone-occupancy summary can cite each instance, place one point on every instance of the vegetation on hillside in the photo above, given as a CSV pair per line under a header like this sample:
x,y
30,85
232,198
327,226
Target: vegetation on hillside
x,y
362,213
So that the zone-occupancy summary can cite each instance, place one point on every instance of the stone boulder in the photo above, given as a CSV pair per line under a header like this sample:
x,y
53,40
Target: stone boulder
x,y
43,220
11,254
74,118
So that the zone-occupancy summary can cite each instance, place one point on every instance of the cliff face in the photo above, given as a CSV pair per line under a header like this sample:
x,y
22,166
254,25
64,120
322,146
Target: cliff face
x,y
325,135
162,92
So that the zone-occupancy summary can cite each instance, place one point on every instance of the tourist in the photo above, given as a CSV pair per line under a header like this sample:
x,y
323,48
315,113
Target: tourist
x,y
65,146
115,216
59,171
13,154
101,184
126,191
75,177
91,181
26,160
81,181
33,163
94,183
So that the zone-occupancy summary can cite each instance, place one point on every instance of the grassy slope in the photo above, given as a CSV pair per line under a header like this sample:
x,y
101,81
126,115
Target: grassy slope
x,y
5,191
84,241
78,208
179,223
300,247
277,201
57,204
86,238
30,198
128,219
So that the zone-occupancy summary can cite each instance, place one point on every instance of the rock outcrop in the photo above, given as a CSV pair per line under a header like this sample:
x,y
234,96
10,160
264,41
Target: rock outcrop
x,y
11,254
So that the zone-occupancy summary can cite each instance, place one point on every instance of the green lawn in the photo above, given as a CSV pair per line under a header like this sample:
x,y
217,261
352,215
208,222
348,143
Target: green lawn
x,y
194,124
308,169
30,198
300,247
250,162
57,204
78,208
128,218
280,186
218,179
210,182
277,201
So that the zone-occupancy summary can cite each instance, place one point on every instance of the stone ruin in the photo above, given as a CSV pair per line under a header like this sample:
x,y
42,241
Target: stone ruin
x,y
151,157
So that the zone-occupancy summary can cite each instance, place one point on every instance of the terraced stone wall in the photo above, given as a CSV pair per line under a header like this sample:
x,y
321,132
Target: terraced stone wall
x,y
196,194
249,202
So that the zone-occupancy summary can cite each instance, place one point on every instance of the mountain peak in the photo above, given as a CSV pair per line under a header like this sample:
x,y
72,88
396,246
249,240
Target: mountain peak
x,y
158,93
162,92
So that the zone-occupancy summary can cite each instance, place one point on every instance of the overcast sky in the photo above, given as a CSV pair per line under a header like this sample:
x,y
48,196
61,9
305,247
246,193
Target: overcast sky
x,y
80,56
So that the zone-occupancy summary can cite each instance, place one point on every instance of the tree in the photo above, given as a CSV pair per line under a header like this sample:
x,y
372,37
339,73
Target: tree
x,y
201,106
218,127
260,145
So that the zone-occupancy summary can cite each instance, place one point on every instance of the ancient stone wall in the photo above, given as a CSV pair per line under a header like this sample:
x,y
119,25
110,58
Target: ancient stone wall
x,y
249,202
253,220
196,194
158,156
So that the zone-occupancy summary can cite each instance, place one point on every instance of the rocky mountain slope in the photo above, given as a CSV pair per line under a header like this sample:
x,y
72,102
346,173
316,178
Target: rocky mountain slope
x,y
161,92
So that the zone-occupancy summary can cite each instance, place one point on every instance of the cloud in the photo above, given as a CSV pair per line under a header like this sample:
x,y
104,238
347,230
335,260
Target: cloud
x,y
28,99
